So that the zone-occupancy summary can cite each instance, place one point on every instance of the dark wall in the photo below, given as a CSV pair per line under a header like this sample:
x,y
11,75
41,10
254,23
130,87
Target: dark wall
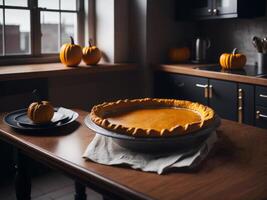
x,y
164,31
233,33
226,34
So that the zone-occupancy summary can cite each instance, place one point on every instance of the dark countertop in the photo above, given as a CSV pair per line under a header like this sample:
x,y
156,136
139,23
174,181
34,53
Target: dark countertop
x,y
191,69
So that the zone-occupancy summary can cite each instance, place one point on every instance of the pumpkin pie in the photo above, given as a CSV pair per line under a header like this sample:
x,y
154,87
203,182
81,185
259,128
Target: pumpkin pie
x,y
151,117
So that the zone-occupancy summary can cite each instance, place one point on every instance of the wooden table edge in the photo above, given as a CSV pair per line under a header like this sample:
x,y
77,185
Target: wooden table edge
x,y
72,170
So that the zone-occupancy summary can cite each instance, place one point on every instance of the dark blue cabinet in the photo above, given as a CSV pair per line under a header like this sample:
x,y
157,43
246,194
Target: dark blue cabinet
x,y
246,104
261,96
240,102
261,117
163,86
261,107
183,87
223,98
190,88
219,9
220,95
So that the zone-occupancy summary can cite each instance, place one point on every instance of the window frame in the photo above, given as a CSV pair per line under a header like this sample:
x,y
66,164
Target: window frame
x,y
35,55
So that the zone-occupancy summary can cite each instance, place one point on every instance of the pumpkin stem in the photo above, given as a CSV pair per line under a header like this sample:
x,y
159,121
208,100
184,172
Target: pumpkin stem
x,y
71,40
90,42
36,96
235,51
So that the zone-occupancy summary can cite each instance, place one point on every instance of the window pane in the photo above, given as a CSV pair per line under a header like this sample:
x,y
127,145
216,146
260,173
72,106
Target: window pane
x,y
49,29
1,32
16,3
49,4
68,27
68,5
17,31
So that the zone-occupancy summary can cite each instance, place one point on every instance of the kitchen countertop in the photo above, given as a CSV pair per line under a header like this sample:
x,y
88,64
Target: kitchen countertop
x,y
191,69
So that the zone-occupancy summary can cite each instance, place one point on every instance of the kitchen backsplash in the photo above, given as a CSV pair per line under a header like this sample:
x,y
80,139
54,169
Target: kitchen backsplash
x,y
232,33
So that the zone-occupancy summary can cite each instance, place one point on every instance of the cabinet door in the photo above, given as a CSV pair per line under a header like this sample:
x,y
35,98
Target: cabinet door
x,y
261,96
223,98
163,85
246,104
190,88
201,7
221,7
261,117
261,107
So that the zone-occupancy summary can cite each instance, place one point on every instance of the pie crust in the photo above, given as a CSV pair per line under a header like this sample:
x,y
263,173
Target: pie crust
x,y
151,117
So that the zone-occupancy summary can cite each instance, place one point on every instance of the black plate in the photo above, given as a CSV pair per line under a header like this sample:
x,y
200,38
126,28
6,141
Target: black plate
x,y
10,119
154,144
24,120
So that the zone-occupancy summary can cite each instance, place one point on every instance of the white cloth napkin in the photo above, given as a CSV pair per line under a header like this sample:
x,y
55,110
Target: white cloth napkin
x,y
64,112
104,151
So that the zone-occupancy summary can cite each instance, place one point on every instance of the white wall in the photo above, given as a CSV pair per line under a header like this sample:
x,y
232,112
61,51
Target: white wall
x,y
105,28
111,29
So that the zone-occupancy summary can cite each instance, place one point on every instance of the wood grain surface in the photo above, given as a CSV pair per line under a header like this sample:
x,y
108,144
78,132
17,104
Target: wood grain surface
x,y
190,69
235,169
15,72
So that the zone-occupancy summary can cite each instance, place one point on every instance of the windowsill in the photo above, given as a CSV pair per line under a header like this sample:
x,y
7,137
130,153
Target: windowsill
x,y
29,71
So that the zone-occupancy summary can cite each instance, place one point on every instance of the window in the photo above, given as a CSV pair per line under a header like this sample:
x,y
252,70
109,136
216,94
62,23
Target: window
x,y
38,28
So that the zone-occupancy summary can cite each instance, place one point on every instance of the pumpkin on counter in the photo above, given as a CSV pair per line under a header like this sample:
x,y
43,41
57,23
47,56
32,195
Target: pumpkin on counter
x,y
40,112
91,54
179,54
233,60
70,54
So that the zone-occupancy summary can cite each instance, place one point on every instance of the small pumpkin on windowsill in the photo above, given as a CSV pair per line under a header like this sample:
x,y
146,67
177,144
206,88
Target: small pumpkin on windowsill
x,y
233,60
91,54
40,112
70,54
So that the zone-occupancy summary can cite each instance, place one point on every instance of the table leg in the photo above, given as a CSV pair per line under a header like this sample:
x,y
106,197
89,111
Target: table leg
x,y
23,177
80,193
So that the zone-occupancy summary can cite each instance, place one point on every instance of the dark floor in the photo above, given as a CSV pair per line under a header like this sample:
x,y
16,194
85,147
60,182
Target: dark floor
x,y
49,186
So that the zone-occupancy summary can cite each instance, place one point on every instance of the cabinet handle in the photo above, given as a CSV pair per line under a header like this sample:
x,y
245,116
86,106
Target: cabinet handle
x,y
210,91
263,95
206,95
215,11
259,115
240,106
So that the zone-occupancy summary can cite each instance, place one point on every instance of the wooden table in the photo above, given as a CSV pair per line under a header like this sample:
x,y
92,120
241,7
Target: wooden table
x,y
236,168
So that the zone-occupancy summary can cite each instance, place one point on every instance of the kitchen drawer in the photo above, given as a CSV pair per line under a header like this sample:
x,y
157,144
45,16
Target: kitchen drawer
x,y
189,88
261,96
261,117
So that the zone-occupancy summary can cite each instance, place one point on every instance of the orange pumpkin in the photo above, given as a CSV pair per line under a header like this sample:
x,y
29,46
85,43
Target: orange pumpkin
x,y
233,60
40,112
179,54
91,54
70,54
